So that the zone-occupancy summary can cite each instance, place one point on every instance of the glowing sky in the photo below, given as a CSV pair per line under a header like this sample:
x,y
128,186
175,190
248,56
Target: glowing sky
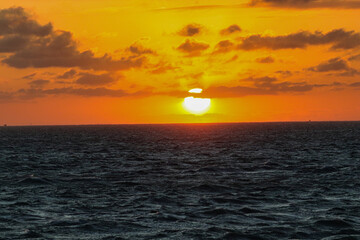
x,y
110,61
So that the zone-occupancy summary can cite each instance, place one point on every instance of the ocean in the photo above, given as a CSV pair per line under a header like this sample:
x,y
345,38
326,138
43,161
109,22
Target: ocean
x,y
185,181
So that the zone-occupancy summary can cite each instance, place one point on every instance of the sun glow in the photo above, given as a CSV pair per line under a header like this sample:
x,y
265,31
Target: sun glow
x,y
197,106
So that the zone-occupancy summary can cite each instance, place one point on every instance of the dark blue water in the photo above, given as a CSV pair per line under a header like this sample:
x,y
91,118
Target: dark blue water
x,y
223,181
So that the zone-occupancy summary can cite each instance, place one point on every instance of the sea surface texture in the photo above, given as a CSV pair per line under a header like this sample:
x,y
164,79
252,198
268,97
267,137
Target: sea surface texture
x,y
215,181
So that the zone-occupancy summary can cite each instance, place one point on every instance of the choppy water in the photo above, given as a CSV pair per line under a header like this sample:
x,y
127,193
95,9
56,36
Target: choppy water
x,y
223,181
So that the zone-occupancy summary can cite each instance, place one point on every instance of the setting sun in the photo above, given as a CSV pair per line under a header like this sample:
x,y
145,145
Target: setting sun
x,y
197,105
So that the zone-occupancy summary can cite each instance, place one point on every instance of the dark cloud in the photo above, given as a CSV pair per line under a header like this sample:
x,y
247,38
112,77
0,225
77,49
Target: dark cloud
x,y
354,58
84,92
273,85
88,92
224,46
95,80
192,47
230,30
268,59
233,92
12,43
60,50
31,44
285,73
68,74
191,30
30,76
335,65
307,3
349,73
139,49
39,83
260,86
298,4
355,84
16,21
194,7
32,93
337,84
338,39
6,96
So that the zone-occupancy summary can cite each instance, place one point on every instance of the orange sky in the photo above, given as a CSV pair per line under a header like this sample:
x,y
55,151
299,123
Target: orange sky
x,y
109,61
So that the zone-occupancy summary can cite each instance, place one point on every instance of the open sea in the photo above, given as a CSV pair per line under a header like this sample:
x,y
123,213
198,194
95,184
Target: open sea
x,y
191,181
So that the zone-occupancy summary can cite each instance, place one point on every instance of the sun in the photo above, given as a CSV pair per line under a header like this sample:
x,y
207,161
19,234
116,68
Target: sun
x,y
195,105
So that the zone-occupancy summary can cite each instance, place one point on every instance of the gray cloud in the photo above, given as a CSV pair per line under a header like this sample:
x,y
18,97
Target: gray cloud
x,y
261,86
230,30
12,43
31,44
191,30
273,85
30,76
335,65
68,74
295,4
285,73
349,73
192,47
355,84
60,50
193,7
95,80
139,49
16,21
32,93
39,83
258,86
89,92
306,3
338,39
224,46
354,58
268,59
6,96
233,92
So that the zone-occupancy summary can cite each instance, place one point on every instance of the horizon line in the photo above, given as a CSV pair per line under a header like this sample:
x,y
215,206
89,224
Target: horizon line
x,y
176,123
